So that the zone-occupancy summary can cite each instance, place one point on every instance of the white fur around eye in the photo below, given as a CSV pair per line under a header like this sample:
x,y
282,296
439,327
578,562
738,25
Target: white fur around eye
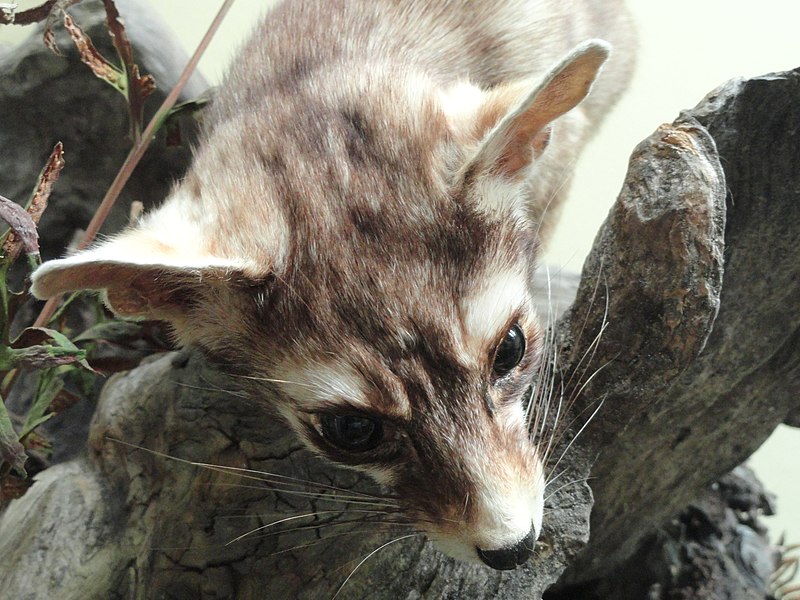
x,y
313,383
489,307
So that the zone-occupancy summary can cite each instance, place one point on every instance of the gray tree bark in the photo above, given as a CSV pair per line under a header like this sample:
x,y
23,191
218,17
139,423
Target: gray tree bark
x,y
681,343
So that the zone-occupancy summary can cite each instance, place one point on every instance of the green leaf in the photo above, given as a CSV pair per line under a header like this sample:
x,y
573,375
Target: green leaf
x,y
192,106
11,451
148,336
59,348
47,389
117,332
63,308
39,357
30,426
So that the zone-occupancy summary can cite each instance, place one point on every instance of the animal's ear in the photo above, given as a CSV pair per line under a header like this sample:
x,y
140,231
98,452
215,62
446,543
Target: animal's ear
x,y
140,275
515,119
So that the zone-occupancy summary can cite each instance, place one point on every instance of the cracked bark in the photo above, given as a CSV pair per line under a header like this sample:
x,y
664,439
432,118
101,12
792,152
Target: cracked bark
x,y
696,298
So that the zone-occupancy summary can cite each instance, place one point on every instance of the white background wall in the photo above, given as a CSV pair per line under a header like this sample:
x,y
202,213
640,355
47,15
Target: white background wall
x,y
687,47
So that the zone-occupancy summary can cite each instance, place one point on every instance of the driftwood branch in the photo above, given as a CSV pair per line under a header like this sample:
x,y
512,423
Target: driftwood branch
x,y
682,342
719,407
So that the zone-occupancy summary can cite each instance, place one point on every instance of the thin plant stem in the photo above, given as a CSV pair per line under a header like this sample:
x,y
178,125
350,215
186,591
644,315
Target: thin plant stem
x,y
136,153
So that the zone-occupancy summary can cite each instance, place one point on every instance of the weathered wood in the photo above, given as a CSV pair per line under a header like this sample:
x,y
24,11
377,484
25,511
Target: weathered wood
x,y
725,403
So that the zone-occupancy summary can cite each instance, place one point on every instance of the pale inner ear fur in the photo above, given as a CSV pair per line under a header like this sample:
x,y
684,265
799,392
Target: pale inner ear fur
x,y
141,276
152,290
515,120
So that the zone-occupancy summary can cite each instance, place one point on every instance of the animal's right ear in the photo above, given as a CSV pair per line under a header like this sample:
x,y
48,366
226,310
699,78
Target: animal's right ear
x,y
511,123
140,275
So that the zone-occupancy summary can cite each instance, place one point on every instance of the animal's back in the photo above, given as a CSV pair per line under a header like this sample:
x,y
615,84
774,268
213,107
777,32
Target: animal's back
x,y
304,45
487,42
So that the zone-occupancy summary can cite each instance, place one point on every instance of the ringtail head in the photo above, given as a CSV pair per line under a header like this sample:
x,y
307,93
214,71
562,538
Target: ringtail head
x,y
363,249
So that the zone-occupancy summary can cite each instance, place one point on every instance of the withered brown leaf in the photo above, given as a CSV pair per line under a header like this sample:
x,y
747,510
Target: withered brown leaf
x,y
89,54
50,11
47,178
27,17
23,230
139,86
44,186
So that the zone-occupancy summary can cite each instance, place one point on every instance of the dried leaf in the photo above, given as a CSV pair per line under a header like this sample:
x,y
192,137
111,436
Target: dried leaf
x,y
143,84
11,451
36,206
23,230
91,57
9,16
139,86
54,9
44,186
118,34
36,442
63,401
49,39
32,336
12,487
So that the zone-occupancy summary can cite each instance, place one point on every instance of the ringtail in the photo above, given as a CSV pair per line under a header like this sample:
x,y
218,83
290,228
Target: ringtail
x,y
358,232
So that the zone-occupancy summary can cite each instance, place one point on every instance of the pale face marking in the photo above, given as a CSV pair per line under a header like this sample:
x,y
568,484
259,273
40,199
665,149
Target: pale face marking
x,y
499,196
488,309
314,384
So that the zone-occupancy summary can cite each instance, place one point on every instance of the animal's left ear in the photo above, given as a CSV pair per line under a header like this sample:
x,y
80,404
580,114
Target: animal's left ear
x,y
515,122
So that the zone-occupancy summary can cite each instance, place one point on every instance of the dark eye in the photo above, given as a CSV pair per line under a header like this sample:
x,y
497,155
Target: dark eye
x,y
351,433
510,351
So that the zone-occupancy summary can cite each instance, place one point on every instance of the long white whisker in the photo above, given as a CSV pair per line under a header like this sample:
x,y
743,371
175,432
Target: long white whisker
x,y
321,539
273,380
295,517
593,347
367,557
321,497
373,523
595,343
565,485
549,389
569,425
549,447
577,435
251,474
565,175
587,358
210,389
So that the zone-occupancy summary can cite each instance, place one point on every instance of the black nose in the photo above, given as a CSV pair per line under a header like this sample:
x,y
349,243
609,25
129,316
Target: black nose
x,y
509,557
